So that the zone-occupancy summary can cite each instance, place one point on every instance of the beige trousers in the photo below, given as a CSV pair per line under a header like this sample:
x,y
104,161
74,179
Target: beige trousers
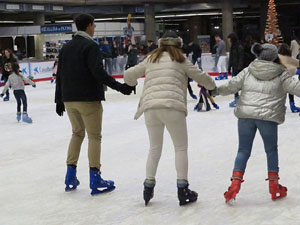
x,y
175,122
85,116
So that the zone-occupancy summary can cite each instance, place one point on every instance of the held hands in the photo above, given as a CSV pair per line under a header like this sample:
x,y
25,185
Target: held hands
x,y
125,89
60,108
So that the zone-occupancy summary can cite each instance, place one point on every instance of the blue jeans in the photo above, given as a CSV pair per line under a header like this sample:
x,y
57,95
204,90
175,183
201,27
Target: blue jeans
x,y
21,98
268,131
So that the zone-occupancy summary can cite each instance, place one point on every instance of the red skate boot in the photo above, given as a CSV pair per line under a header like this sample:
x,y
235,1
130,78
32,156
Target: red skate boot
x,y
276,190
236,180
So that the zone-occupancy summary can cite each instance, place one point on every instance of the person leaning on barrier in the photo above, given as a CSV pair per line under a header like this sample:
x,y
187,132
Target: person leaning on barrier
x,y
79,88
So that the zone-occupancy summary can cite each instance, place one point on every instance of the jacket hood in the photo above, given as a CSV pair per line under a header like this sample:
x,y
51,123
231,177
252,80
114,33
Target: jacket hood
x,y
265,70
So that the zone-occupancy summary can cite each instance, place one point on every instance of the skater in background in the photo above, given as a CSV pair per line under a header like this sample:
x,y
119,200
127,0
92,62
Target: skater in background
x,y
236,61
132,56
285,56
7,60
204,95
16,82
295,45
54,71
163,103
79,88
221,56
264,85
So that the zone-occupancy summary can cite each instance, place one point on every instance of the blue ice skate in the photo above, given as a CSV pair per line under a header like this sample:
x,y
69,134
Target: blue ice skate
x,y
294,108
220,77
26,118
216,106
71,180
6,98
225,76
18,116
98,185
234,103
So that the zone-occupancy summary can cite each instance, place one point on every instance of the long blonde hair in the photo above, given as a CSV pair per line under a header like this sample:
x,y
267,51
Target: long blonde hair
x,y
175,54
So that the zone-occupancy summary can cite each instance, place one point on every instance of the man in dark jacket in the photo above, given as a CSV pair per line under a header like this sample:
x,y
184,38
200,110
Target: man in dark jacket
x,y
79,88
151,46
236,61
196,52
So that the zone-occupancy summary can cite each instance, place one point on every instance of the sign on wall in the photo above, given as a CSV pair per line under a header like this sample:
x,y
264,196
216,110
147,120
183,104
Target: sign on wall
x,y
57,28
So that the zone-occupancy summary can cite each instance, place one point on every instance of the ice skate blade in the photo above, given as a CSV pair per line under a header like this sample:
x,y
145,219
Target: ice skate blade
x,y
97,191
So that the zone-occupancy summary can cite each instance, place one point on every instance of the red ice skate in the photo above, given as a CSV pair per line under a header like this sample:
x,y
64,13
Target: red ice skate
x,y
236,180
276,190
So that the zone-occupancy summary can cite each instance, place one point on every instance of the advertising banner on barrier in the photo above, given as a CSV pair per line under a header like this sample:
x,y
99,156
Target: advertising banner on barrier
x,y
24,67
41,69
37,70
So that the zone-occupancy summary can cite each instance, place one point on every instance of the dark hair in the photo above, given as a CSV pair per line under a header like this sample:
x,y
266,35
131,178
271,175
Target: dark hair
x,y
82,21
15,68
233,38
284,49
11,54
218,35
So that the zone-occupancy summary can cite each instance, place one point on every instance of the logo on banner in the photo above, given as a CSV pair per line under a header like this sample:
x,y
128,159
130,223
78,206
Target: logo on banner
x,y
24,71
36,70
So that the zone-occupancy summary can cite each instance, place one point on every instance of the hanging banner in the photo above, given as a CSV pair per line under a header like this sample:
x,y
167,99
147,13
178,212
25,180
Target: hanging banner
x,y
57,28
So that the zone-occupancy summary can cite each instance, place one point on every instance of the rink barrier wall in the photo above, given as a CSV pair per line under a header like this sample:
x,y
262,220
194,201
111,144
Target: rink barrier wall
x,y
42,70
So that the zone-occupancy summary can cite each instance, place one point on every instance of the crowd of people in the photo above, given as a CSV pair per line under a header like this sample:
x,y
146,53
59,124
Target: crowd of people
x,y
262,73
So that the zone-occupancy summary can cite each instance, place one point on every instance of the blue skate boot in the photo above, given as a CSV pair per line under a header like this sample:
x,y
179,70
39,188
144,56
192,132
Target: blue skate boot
x,y
220,77
26,118
18,116
234,102
216,106
96,182
294,108
148,190
225,76
71,180
6,98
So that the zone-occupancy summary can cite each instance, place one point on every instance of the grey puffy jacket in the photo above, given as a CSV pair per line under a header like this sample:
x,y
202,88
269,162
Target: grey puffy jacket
x,y
263,86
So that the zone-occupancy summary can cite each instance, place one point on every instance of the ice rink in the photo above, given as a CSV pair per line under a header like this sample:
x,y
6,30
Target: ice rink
x,y
32,168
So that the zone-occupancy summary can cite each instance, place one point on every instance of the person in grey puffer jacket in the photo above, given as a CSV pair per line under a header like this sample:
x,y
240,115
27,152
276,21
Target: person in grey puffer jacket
x,y
16,82
264,86
164,104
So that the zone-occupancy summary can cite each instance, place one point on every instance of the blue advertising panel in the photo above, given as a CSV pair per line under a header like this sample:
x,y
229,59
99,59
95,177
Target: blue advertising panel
x,y
57,28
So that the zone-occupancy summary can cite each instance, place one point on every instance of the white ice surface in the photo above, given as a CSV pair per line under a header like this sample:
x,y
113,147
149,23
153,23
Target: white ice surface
x,y
32,169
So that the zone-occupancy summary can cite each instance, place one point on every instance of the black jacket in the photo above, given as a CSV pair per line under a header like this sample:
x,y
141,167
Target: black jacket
x,y
80,73
236,57
5,64
195,50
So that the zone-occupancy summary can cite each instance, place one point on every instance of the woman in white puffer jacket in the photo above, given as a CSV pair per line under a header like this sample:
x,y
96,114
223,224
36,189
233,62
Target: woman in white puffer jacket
x,y
164,104
264,86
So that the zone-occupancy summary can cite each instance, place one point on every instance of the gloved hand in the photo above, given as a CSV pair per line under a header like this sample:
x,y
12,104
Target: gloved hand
x,y
1,95
60,108
125,89
194,96
34,85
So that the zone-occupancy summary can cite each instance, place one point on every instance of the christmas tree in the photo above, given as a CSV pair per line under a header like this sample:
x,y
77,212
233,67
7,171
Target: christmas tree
x,y
272,32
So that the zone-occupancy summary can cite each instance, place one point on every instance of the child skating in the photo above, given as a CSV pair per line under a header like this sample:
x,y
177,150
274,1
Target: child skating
x,y
16,82
264,86
204,95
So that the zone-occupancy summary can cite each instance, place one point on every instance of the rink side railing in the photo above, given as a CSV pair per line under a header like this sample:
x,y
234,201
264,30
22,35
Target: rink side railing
x,y
43,70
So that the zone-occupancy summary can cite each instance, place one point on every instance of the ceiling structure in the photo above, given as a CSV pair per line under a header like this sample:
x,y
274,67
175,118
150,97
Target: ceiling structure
x,y
24,11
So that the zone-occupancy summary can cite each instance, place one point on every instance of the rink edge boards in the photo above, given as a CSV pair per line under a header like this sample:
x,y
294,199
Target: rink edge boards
x,y
114,76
